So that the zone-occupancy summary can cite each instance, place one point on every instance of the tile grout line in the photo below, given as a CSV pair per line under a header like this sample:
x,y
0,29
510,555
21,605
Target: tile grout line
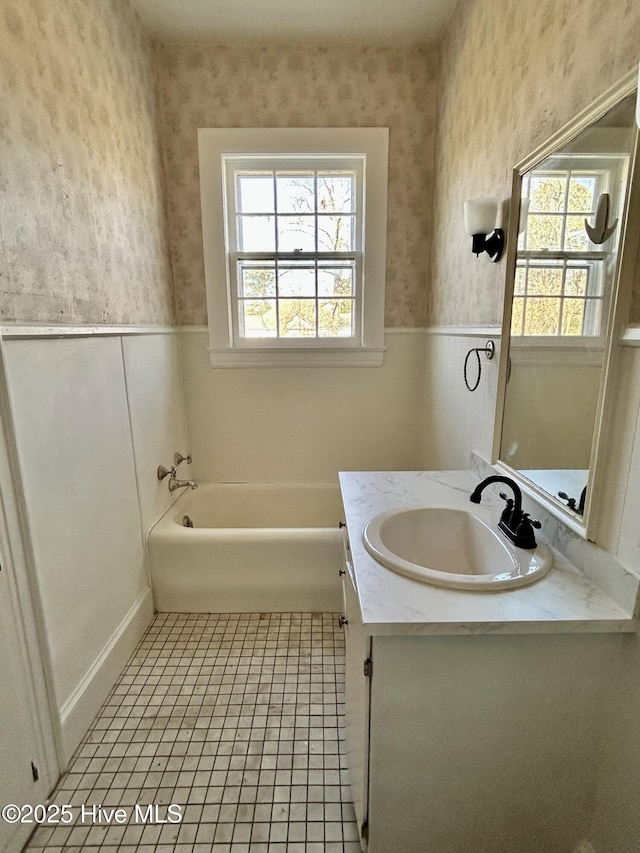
x,y
277,682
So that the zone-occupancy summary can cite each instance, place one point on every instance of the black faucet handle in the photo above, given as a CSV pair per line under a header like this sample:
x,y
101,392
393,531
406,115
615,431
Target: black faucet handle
x,y
571,502
523,517
524,535
507,512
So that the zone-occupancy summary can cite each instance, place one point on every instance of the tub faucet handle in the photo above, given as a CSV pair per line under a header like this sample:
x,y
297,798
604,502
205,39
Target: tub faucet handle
x,y
166,472
178,458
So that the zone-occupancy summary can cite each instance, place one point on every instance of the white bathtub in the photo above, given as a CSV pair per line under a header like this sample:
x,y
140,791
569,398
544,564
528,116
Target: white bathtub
x,y
254,547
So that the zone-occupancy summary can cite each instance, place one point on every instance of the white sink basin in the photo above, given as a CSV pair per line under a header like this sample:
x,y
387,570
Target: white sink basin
x,y
451,548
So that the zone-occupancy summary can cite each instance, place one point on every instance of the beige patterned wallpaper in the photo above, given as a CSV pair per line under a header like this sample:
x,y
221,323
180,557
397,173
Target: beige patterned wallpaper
x,y
513,72
82,231
82,227
210,86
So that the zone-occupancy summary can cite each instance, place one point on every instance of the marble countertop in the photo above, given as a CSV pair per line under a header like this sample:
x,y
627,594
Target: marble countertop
x,y
563,601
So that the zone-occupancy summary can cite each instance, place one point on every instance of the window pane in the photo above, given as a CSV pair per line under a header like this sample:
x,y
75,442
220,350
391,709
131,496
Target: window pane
x,y
581,194
517,313
296,192
255,193
336,233
297,318
576,282
296,280
256,234
575,238
542,317
256,279
257,318
572,316
547,193
336,192
296,233
592,324
335,318
520,280
544,281
594,273
543,232
336,281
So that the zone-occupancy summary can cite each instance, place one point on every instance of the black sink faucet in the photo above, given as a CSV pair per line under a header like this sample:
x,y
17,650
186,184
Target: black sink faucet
x,y
515,524
571,502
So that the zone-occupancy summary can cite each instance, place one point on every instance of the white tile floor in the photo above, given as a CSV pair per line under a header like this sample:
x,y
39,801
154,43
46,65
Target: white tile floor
x,y
237,719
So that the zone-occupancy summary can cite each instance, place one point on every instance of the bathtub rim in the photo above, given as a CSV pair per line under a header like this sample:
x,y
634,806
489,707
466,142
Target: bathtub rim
x,y
166,525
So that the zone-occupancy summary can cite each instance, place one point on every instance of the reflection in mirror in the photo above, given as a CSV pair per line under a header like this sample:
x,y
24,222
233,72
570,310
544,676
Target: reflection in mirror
x,y
562,283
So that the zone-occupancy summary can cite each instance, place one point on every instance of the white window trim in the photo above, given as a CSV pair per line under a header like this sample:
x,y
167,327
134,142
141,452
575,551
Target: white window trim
x,y
213,145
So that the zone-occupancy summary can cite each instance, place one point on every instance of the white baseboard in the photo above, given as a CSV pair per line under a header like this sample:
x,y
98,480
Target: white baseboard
x,y
78,712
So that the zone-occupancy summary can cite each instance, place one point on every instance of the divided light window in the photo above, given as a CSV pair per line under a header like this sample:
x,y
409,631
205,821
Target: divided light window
x,y
559,283
294,226
294,234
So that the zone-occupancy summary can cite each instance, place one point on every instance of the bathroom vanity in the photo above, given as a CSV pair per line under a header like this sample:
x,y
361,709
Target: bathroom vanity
x,y
474,720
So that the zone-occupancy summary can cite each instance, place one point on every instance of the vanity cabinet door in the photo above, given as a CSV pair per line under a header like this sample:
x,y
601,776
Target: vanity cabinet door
x,y
357,688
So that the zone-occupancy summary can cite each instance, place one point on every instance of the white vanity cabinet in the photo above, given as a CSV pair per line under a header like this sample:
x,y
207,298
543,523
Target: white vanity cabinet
x,y
358,648
473,736
484,744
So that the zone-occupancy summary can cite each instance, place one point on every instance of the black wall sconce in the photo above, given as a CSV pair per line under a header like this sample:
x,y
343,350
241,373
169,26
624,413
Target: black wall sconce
x,y
480,216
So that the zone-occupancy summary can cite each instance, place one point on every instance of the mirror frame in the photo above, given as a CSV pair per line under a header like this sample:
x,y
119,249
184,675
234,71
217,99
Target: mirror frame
x,y
617,319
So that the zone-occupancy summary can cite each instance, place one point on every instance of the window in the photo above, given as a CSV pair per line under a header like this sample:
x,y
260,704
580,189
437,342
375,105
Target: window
x,y
294,228
559,288
294,239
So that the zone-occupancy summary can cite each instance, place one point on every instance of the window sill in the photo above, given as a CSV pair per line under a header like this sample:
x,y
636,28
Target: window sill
x,y
295,357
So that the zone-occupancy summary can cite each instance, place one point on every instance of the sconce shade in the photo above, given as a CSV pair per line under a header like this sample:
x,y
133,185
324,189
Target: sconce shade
x,y
480,215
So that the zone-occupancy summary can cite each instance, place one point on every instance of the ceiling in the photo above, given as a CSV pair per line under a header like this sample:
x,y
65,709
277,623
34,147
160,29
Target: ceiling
x,y
374,22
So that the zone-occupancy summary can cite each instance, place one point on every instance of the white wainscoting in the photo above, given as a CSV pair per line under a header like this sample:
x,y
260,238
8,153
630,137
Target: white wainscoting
x,y
456,421
94,415
304,424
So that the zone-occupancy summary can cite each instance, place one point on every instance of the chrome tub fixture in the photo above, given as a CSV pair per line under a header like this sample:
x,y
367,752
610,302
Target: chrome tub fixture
x,y
181,484
163,472
172,474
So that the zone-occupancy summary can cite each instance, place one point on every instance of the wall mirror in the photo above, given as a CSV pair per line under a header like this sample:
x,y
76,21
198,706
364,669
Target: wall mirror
x,y
566,238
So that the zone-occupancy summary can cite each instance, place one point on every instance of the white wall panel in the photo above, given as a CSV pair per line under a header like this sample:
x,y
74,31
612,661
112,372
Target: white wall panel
x,y
156,407
303,424
457,421
72,430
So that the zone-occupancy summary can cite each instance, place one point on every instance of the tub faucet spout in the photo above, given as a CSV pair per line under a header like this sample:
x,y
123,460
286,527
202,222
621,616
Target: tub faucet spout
x,y
181,484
